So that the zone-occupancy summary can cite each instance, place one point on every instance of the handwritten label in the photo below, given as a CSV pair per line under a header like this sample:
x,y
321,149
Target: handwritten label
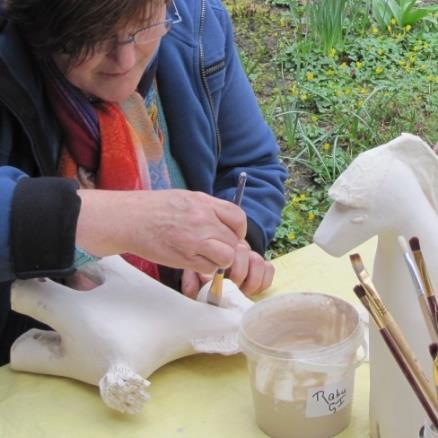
x,y
329,399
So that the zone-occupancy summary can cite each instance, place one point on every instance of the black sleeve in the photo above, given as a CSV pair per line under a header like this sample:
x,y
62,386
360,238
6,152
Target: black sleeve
x,y
44,215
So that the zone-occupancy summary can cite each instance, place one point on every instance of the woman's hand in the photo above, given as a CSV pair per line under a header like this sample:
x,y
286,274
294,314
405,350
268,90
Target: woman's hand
x,y
249,271
176,228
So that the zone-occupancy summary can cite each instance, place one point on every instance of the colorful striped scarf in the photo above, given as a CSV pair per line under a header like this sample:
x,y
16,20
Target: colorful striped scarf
x,y
108,146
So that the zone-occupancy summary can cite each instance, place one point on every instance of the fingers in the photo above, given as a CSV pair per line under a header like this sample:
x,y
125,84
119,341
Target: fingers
x,y
239,269
38,351
219,253
233,216
260,275
250,271
190,283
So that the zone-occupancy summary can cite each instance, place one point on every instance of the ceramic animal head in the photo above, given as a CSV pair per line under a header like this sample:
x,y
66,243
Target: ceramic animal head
x,y
378,192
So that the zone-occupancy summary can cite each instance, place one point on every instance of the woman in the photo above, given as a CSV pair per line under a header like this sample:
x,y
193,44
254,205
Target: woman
x,y
123,127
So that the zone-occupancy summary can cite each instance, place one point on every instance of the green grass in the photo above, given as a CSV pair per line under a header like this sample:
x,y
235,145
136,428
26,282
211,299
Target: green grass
x,y
333,94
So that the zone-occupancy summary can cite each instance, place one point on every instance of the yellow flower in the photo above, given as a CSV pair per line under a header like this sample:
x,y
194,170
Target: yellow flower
x,y
389,29
360,103
311,216
310,76
304,97
348,91
379,69
359,64
344,65
294,90
380,52
303,197
326,147
291,236
374,30
393,21
332,52
329,72
314,118
408,27
283,22
364,90
401,62
296,200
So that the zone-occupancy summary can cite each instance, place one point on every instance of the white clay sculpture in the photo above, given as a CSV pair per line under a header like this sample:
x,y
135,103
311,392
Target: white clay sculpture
x,y
389,191
117,334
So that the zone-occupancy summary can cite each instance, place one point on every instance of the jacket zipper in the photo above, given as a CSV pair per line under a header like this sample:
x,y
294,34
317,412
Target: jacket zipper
x,y
212,69
204,74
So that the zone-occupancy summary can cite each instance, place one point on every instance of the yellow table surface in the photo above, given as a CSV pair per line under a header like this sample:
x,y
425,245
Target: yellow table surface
x,y
198,396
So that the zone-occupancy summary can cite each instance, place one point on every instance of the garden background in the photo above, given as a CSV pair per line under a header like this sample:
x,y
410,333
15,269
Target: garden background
x,y
335,78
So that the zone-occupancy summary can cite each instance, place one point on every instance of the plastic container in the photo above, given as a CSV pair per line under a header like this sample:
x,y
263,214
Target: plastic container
x,y
302,352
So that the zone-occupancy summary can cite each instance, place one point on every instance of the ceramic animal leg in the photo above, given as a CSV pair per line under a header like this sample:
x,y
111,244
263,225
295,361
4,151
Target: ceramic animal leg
x,y
38,351
39,299
124,390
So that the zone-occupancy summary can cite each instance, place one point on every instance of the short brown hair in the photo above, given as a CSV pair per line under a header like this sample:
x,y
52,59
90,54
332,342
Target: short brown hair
x,y
74,26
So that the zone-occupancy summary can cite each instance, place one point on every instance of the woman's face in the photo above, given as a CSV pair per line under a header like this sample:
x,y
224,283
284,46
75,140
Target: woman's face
x,y
115,74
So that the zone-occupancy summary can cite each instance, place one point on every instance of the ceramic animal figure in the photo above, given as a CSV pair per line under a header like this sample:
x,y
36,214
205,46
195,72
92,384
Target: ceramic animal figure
x,y
117,334
389,191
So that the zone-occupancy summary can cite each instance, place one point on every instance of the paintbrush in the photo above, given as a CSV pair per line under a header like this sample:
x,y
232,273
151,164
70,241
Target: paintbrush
x,y
433,349
414,243
429,312
214,295
393,328
396,353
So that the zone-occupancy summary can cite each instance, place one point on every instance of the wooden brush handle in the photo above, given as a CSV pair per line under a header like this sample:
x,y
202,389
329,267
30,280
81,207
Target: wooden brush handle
x,y
411,360
410,377
429,311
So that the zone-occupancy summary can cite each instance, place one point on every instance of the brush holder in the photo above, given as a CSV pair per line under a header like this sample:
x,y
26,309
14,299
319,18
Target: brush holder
x,y
302,351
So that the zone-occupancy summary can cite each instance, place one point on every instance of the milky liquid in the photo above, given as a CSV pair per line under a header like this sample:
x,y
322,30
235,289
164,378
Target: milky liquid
x,y
281,419
300,347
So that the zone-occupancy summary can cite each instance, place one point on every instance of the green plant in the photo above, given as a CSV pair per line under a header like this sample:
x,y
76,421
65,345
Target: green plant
x,y
303,211
326,18
403,11
328,106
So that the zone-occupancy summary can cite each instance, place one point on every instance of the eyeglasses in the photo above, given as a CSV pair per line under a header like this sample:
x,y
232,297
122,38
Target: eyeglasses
x,y
144,35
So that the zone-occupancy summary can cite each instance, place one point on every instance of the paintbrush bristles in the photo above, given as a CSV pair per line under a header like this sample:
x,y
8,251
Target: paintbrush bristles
x,y
367,284
433,349
359,291
362,295
214,295
414,243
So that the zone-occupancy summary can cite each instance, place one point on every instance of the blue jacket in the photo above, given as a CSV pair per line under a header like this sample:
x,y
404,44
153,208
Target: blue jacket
x,y
216,130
